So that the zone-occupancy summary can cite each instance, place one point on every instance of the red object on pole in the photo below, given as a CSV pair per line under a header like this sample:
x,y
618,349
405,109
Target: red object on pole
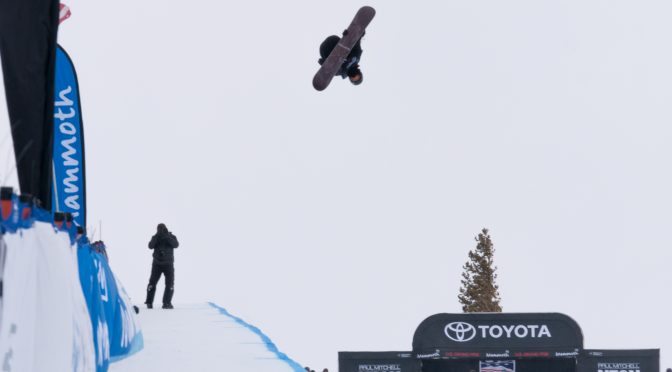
x,y
6,209
63,13
6,202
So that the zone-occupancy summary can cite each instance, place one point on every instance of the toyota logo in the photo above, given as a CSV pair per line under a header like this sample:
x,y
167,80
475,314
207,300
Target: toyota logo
x,y
460,331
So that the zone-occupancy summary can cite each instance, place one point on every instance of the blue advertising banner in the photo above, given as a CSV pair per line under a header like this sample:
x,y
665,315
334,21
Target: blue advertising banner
x,y
116,332
95,293
69,183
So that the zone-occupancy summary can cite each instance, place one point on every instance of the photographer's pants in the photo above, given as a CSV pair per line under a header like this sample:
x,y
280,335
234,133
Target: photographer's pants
x,y
168,270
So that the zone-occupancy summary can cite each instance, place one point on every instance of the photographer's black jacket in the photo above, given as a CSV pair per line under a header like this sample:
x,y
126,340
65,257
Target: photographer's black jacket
x,y
163,243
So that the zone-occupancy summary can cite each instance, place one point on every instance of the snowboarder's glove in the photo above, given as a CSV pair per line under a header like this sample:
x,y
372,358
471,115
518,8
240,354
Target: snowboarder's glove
x,y
345,32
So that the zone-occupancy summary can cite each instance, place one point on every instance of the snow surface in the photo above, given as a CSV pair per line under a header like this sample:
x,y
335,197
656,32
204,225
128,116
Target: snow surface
x,y
203,337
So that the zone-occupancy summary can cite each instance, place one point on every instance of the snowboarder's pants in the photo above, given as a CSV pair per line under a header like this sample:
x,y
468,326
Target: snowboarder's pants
x,y
168,270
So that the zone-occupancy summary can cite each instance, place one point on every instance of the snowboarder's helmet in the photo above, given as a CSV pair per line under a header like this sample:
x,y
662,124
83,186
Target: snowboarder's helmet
x,y
356,77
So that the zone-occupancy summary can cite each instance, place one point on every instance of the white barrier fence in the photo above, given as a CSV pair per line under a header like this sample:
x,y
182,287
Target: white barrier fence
x,y
45,321
61,307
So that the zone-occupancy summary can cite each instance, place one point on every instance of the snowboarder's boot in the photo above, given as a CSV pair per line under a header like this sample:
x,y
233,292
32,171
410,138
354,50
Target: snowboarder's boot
x,y
151,290
168,295
167,306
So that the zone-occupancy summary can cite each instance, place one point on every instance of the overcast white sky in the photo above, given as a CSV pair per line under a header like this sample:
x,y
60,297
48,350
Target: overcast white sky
x,y
340,220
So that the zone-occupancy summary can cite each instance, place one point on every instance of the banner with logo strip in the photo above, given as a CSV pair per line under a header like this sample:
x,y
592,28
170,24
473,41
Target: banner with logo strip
x,y
647,360
116,328
497,335
69,181
96,295
497,366
125,336
387,361
3,257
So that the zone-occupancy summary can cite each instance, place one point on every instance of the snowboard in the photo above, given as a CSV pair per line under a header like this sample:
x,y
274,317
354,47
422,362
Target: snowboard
x,y
337,56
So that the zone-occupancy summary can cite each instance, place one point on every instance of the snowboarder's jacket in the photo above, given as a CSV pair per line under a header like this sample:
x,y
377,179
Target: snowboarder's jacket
x,y
163,243
351,64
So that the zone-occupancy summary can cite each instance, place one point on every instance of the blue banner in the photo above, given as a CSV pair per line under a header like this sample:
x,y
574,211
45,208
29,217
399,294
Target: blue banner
x,y
69,186
116,332
95,293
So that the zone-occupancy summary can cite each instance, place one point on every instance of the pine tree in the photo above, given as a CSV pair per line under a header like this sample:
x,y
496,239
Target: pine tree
x,y
479,292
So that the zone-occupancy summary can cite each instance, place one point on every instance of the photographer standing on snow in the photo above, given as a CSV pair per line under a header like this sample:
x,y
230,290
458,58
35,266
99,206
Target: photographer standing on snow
x,y
163,243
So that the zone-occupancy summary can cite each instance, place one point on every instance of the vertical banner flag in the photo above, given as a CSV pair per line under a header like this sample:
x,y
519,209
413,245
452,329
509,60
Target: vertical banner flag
x,y
498,366
28,31
69,183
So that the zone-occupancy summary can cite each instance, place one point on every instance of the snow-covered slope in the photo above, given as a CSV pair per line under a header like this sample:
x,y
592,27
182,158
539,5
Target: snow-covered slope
x,y
203,337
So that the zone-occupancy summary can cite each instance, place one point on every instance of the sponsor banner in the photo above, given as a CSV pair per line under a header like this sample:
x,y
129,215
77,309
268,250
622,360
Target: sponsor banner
x,y
28,30
497,366
388,367
69,182
497,354
619,367
125,338
95,292
377,362
619,361
529,335
3,257
117,332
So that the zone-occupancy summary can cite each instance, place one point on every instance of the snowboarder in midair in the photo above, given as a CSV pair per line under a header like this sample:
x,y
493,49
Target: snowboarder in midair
x,y
340,56
350,67
163,243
